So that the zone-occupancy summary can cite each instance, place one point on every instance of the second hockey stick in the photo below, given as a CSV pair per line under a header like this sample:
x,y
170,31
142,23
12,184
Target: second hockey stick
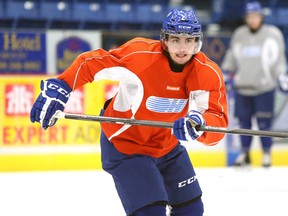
x,y
247,132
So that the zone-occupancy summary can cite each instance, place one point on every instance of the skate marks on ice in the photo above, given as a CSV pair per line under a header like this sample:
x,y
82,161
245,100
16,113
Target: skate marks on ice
x,y
245,191
226,192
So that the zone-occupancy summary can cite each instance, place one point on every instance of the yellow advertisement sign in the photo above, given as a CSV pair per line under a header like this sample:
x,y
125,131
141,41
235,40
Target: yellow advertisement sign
x,y
58,146
69,144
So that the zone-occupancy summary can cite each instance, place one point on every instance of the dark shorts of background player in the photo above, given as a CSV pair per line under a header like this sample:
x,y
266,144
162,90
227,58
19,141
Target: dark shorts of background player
x,y
142,180
261,106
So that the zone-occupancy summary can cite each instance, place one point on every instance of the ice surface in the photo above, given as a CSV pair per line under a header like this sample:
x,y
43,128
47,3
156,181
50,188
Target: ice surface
x,y
226,192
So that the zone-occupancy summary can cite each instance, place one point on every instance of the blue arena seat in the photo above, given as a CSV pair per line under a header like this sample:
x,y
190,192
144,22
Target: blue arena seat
x,y
282,16
120,12
151,12
58,10
85,11
159,12
143,12
21,9
2,10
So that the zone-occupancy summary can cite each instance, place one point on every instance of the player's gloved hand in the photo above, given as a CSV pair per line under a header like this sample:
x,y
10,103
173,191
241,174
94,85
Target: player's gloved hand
x,y
53,97
283,83
184,128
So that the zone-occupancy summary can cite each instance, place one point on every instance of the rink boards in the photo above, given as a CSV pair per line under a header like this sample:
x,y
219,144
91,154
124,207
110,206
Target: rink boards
x,y
92,160
71,145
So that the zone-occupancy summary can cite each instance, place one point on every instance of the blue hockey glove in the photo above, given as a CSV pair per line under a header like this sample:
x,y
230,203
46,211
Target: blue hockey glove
x,y
54,96
283,83
184,128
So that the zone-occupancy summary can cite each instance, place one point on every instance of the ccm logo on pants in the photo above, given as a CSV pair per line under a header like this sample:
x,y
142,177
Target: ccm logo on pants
x,y
187,182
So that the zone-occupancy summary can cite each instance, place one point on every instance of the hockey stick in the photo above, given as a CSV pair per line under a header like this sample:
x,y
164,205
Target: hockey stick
x,y
247,132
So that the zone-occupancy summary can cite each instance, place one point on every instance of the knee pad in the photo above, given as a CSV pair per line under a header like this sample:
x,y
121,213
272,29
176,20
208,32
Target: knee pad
x,y
157,209
193,207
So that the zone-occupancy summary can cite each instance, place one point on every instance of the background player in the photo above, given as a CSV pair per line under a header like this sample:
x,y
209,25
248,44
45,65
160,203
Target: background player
x,y
257,56
159,80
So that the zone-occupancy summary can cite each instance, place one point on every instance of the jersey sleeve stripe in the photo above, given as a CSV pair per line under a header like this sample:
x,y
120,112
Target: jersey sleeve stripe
x,y
219,88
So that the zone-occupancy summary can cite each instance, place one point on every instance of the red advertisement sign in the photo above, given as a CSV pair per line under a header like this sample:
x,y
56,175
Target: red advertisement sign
x,y
18,99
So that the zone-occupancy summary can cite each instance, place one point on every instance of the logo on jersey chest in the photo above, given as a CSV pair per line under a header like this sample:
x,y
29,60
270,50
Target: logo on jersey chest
x,y
165,105
173,88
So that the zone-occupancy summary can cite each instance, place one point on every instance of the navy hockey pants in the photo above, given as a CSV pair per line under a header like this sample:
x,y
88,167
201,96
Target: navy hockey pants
x,y
261,107
142,180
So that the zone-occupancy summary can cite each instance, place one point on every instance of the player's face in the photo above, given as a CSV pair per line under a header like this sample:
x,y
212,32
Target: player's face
x,y
181,48
254,20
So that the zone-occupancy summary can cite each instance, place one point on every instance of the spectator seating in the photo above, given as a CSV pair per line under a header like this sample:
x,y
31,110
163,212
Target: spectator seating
x,y
116,14
107,14
2,10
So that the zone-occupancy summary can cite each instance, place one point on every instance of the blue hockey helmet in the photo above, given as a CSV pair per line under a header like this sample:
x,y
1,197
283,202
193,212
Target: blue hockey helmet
x,y
253,7
182,23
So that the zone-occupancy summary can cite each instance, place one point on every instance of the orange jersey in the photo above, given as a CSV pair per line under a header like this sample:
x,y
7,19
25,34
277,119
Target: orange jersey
x,y
149,90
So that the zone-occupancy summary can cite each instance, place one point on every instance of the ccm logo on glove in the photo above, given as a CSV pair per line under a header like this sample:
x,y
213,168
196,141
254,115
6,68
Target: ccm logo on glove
x,y
59,89
53,97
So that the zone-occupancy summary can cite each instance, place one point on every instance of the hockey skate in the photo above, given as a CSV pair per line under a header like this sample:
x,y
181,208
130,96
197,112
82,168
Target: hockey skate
x,y
266,160
242,160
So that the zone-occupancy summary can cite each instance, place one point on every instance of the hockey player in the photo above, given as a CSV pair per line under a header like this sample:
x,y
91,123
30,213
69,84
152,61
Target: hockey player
x,y
158,81
257,57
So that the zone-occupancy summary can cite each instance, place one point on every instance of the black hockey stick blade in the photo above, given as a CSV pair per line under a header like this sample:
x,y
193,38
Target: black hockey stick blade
x,y
160,124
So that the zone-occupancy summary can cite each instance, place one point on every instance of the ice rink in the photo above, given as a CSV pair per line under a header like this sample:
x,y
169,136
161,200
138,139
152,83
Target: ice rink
x,y
227,192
